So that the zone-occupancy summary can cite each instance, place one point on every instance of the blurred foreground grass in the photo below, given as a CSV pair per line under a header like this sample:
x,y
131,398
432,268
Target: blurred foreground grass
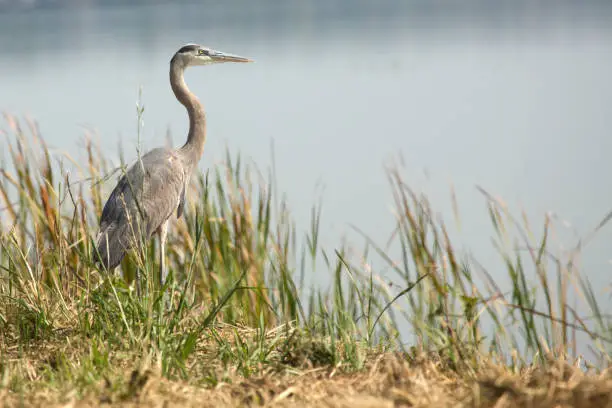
x,y
243,328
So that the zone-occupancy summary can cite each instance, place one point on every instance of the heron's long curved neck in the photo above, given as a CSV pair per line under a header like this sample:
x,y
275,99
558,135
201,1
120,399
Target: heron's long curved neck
x,y
194,147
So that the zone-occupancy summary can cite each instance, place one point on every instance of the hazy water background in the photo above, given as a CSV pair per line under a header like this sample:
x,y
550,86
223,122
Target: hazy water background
x,y
514,96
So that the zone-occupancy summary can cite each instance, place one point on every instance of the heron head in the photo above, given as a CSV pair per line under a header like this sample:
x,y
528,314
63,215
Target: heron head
x,y
194,54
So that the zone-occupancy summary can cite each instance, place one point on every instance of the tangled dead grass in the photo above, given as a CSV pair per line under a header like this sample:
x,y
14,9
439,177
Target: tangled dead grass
x,y
387,380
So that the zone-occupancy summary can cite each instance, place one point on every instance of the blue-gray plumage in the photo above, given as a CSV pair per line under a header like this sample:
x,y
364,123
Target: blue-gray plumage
x,y
154,187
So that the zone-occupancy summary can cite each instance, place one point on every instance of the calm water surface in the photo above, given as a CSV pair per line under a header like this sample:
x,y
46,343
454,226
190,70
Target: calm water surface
x,y
512,97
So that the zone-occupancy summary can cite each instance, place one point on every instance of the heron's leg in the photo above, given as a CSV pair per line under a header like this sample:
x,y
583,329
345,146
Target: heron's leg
x,y
137,279
163,233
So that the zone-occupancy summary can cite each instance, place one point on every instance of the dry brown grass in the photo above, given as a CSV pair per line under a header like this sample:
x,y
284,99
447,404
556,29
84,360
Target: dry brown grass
x,y
387,380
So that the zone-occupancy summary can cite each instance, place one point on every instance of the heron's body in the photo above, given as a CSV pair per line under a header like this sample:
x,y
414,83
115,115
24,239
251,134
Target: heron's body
x,y
154,188
151,193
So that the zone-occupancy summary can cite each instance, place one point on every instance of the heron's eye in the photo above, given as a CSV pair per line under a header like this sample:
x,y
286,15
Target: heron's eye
x,y
202,52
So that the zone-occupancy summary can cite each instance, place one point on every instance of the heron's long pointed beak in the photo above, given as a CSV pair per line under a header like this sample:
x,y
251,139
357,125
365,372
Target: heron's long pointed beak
x,y
225,57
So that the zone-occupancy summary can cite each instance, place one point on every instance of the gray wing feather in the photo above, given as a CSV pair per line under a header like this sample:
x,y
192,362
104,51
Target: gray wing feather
x,y
144,198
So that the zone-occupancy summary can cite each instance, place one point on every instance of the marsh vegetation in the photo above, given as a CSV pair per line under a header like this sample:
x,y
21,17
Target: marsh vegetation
x,y
242,326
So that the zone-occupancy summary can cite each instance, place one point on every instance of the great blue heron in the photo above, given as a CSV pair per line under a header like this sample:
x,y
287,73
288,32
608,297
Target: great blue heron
x,y
154,187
